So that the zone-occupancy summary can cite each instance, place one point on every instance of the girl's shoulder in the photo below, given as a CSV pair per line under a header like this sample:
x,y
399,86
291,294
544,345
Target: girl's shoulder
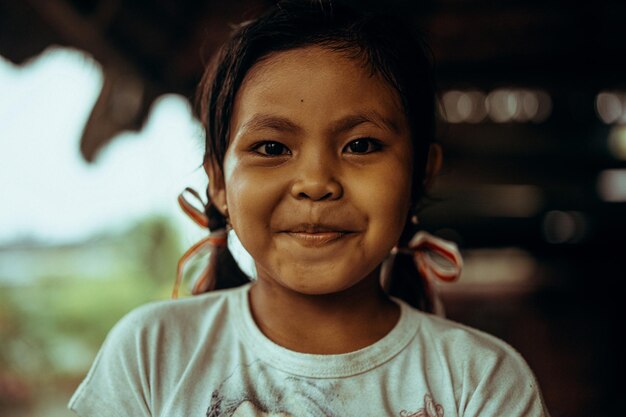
x,y
156,341
478,363
462,343
180,315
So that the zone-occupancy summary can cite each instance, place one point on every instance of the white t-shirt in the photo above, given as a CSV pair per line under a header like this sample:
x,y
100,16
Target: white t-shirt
x,y
205,356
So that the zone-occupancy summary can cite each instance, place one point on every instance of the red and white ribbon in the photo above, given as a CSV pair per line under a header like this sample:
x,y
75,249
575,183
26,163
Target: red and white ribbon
x,y
436,258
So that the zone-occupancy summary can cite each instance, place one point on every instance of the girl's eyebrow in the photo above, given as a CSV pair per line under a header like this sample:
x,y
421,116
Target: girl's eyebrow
x,y
369,116
268,121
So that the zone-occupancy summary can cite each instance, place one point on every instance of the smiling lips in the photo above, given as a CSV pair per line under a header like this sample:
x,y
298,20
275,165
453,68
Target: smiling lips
x,y
313,235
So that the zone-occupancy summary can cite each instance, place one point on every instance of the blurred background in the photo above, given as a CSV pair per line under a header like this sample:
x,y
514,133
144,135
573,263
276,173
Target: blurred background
x,y
97,138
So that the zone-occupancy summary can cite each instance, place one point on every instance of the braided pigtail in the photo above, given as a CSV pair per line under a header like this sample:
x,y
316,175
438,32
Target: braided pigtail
x,y
209,262
407,283
227,271
402,278
414,268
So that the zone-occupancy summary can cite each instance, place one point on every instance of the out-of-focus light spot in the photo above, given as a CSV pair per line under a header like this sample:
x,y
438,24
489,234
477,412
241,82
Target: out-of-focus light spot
x,y
529,105
611,185
464,106
609,107
494,271
450,101
501,105
564,226
506,105
617,142
509,200
478,110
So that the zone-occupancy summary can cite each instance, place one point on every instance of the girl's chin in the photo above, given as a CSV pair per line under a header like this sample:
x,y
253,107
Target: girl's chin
x,y
310,283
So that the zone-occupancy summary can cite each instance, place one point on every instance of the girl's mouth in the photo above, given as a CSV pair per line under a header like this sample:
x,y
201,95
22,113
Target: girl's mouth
x,y
317,238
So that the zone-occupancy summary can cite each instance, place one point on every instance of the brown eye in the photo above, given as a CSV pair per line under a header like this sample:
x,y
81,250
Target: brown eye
x,y
364,145
271,148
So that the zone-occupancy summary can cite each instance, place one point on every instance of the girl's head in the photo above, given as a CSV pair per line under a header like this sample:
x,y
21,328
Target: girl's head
x,y
319,123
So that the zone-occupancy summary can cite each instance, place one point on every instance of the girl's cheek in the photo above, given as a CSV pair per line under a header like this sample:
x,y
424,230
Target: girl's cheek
x,y
388,195
253,193
390,180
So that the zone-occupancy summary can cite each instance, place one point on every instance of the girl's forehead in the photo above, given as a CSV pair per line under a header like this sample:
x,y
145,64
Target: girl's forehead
x,y
316,72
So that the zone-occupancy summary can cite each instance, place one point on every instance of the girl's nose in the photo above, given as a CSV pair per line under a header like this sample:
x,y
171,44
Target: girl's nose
x,y
316,182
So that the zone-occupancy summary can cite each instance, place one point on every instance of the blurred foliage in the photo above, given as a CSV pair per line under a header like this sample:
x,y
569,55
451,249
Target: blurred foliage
x,y
52,329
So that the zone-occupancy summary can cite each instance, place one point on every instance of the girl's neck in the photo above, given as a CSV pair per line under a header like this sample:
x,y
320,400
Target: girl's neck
x,y
323,324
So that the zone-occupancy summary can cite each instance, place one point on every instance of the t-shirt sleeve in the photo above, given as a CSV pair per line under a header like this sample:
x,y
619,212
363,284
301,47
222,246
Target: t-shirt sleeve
x,y
118,383
505,386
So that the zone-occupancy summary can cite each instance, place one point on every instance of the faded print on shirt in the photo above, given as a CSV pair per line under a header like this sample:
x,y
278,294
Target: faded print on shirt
x,y
293,397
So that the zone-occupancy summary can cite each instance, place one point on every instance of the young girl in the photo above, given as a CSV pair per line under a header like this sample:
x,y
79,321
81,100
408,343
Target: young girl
x,y
319,128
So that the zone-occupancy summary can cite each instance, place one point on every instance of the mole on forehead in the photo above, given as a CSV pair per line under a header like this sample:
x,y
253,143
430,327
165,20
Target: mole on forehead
x,y
266,68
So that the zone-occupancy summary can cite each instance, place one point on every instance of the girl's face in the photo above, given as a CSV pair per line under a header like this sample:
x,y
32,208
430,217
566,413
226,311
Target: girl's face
x,y
317,175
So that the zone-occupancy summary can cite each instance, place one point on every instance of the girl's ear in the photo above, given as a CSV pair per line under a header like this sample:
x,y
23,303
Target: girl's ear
x,y
433,165
217,187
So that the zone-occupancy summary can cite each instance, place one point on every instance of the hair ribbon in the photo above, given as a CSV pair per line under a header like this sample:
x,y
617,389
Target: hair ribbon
x,y
210,245
435,258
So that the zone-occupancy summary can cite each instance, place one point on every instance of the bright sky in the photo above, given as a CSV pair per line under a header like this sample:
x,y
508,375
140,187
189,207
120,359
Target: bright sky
x,y
48,192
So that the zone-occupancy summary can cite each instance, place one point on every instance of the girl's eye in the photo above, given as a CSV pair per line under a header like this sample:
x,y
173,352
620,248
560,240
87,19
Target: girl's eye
x,y
270,148
363,145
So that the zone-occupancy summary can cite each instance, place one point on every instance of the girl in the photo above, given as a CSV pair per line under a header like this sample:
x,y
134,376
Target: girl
x,y
319,127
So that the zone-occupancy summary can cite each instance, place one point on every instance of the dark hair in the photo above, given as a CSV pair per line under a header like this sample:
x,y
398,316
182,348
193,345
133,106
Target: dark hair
x,y
385,45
